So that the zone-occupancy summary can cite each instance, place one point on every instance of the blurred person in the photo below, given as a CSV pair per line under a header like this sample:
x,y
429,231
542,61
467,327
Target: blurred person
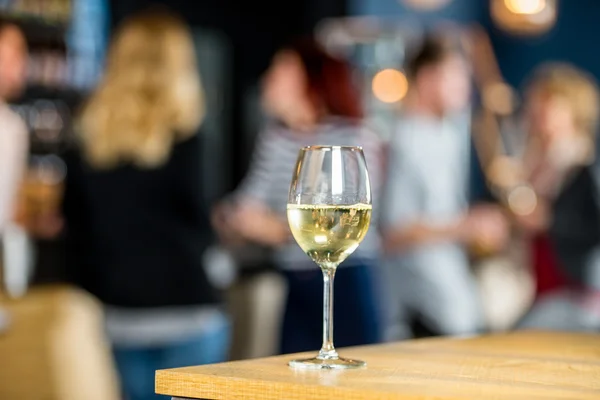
x,y
14,141
137,225
312,99
427,222
14,149
561,115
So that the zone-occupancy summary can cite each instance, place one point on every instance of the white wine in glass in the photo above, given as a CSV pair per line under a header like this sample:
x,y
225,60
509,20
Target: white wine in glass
x,y
329,212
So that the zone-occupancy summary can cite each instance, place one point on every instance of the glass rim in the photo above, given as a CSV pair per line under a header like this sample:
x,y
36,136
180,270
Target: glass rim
x,y
327,148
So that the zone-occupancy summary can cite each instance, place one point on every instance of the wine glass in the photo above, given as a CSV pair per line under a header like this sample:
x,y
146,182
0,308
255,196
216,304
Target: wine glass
x,y
329,212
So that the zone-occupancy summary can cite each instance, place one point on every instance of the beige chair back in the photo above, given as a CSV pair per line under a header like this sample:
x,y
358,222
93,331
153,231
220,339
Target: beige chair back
x,y
53,348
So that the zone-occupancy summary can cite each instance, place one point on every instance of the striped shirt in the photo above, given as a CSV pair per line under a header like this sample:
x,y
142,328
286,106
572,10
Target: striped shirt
x,y
272,167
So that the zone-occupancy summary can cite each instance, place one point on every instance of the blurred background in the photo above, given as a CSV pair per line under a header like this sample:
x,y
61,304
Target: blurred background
x,y
239,48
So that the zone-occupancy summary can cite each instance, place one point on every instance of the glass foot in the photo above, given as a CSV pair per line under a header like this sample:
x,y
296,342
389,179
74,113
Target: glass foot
x,y
327,363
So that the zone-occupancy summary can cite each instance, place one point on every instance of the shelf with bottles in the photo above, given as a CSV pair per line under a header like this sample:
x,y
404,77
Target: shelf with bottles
x,y
48,68
50,124
59,71
45,23
41,11
48,113
38,32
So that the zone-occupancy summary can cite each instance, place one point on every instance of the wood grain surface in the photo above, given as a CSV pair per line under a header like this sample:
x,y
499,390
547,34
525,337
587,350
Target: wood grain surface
x,y
524,365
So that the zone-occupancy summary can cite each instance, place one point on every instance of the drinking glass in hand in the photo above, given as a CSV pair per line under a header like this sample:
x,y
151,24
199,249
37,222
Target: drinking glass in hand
x,y
329,211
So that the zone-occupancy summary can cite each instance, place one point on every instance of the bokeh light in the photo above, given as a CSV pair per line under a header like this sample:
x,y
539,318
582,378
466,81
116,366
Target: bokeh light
x,y
522,200
390,85
524,17
504,172
499,98
528,7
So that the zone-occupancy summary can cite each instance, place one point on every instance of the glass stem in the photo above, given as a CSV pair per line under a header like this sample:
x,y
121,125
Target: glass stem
x,y
328,351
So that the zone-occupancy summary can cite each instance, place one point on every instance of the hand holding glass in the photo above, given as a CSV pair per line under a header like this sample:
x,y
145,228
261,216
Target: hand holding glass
x,y
329,212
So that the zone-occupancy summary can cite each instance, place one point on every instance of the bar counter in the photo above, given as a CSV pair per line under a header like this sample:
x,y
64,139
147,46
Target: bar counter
x,y
522,365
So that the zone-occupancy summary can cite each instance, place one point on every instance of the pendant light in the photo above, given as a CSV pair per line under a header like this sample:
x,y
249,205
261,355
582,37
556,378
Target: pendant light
x,y
524,17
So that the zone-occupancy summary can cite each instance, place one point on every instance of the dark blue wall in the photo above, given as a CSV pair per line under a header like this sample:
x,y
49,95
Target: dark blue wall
x,y
575,38
457,10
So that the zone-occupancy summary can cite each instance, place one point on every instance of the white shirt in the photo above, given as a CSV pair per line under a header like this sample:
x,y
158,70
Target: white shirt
x,y
428,182
14,145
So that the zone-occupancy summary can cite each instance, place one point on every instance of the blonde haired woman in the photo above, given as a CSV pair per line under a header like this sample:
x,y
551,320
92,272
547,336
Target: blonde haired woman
x,y
137,225
561,114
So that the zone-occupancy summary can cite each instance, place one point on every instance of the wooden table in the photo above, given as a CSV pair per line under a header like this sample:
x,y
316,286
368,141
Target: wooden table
x,y
526,365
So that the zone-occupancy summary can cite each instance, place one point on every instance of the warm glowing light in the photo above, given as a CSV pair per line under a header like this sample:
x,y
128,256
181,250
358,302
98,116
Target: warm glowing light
x,y
504,172
528,7
499,98
390,85
525,17
522,200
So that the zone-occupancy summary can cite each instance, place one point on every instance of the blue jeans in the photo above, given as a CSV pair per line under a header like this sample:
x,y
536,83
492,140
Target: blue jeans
x,y
564,310
435,284
137,365
357,309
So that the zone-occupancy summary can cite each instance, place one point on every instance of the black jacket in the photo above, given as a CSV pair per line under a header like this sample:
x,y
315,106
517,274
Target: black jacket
x,y
135,236
575,229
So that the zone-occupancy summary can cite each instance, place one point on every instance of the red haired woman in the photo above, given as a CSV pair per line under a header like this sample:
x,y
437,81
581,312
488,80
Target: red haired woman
x,y
313,101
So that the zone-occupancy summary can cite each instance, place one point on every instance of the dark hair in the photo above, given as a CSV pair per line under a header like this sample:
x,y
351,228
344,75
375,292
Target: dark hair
x,y
329,79
7,23
433,51
4,24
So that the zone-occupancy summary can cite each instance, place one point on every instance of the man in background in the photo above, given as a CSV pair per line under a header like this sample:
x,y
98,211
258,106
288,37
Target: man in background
x,y
13,132
428,222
